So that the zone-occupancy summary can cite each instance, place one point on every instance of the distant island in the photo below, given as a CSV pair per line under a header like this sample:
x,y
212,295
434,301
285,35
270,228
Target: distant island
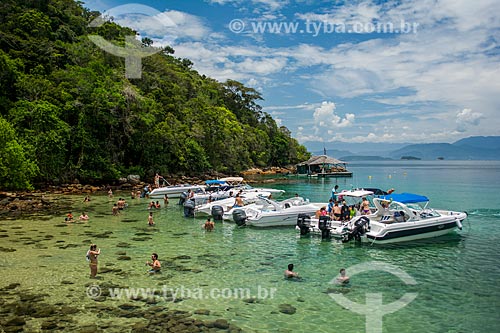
x,y
353,158
471,148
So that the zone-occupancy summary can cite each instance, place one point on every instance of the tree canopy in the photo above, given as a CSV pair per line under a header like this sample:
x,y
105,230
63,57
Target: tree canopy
x,y
67,110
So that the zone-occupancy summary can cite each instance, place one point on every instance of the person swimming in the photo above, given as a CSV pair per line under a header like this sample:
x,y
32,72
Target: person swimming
x,y
289,273
155,264
343,278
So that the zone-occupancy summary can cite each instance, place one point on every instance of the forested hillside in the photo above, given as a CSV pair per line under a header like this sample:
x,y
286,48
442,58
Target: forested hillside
x,y
68,112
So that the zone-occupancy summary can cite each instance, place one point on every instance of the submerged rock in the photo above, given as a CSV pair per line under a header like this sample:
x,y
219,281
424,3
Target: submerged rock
x,y
182,257
287,309
5,249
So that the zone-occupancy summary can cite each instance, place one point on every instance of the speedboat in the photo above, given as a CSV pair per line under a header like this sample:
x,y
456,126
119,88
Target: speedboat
x,y
218,189
275,193
270,213
397,218
175,191
228,203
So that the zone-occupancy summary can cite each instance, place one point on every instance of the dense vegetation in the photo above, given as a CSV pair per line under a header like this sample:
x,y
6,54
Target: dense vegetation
x,y
67,111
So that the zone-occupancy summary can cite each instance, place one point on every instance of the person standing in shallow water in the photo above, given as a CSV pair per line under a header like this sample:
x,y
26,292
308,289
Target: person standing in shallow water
x,y
150,219
155,264
92,257
209,225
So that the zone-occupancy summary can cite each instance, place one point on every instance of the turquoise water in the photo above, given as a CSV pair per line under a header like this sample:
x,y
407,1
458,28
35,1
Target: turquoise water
x,y
456,275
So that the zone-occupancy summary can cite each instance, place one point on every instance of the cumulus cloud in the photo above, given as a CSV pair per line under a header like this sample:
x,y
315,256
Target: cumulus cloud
x,y
466,118
325,116
163,28
449,64
267,4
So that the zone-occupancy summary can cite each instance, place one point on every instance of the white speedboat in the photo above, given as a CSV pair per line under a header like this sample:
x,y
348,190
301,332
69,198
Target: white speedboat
x,y
397,218
228,203
175,191
270,213
275,193
218,189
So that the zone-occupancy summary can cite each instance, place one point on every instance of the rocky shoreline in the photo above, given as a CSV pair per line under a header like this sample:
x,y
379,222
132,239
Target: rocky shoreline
x,y
44,199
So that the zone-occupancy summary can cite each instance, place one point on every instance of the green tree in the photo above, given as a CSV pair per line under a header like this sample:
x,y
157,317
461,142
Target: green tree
x,y
16,169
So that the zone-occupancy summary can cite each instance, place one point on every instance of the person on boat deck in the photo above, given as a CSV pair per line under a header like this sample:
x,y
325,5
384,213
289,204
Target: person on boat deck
x,y
157,180
352,212
344,211
238,202
334,192
321,212
365,206
155,264
330,206
385,207
337,211
289,273
343,278
190,194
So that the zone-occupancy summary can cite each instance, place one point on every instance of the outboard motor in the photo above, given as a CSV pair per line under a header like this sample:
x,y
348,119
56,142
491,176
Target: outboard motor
x,y
189,208
239,217
324,225
304,223
361,226
217,212
183,198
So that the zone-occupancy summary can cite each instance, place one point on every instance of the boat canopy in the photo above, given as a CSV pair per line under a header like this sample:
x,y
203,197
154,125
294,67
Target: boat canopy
x,y
354,193
232,180
405,197
215,182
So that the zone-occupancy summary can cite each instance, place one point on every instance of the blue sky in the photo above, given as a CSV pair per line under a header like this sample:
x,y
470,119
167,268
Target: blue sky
x,y
351,71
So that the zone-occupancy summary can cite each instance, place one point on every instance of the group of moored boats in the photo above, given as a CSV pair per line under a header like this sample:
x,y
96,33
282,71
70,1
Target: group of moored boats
x,y
391,218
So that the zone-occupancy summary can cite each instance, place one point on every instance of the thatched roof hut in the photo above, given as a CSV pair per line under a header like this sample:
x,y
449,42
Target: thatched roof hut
x,y
323,165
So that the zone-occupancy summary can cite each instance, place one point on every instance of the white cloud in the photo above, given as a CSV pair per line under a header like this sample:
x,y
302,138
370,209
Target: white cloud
x,y
450,64
467,117
267,4
325,116
164,27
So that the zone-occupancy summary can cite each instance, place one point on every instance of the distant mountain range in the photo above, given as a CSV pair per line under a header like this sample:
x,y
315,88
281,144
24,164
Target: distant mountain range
x,y
472,148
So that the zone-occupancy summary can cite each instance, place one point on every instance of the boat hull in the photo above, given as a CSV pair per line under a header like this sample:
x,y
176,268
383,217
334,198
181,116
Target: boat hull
x,y
410,234
277,220
174,191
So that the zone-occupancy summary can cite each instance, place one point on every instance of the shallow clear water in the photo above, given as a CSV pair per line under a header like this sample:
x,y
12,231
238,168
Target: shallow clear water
x,y
456,275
